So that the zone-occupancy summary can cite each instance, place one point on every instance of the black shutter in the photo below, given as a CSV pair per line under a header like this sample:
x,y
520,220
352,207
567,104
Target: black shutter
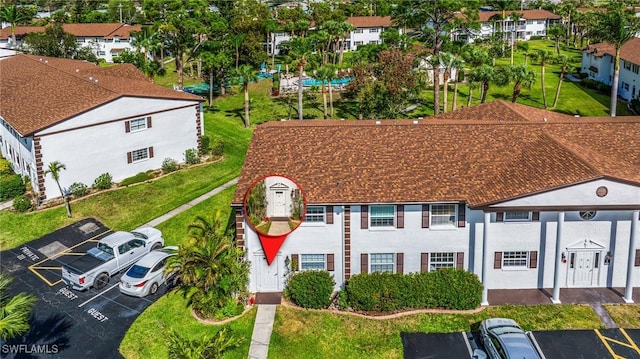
x,y
149,122
364,263
499,216
400,216
637,262
129,157
535,216
462,221
151,152
424,262
425,216
329,214
364,217
460,260
400,263
533,259
127,126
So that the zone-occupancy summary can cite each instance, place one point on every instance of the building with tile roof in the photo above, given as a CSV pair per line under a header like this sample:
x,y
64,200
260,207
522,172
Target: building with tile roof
x,y
531,23
597,62
92,119
523,197
106,40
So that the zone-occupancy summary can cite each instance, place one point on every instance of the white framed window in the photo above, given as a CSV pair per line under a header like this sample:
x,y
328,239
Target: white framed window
x,y
442,260
373,30
102,53
373,42
313,262
382,262
516,259
357,31
443,216
382,216
116,39
627,65
315,214
139,155
517,216
357,43
138,124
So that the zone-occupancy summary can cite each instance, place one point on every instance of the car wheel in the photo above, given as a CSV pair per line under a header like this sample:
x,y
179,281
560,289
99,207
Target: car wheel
x,y
154,288
156,246
101,281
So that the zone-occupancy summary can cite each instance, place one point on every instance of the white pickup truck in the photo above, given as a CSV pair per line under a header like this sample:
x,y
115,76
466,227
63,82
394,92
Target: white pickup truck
x,y
113,254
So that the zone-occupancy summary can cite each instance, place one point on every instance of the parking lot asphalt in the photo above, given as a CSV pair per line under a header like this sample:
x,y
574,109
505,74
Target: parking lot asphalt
x,y
555,344
66,323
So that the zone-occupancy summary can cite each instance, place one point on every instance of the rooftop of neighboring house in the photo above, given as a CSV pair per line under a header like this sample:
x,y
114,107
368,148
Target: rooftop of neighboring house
x,y
630,51
38,91
369,21
107,31
482,155
486,16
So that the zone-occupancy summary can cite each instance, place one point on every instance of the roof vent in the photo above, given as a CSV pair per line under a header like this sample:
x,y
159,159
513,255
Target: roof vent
x,y
415,122
95,80
419,118
77,70
544,119
576,115
378,122
46,61
41,59
342,119
90,78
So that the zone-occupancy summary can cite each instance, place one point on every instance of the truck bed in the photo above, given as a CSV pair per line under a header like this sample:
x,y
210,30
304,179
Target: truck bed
x,y
83,264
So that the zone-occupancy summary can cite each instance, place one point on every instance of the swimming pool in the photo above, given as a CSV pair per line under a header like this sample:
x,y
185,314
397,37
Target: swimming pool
x,y
314,82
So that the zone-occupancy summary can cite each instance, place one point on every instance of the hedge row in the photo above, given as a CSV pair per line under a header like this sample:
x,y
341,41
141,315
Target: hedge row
x,y
445,288
310,289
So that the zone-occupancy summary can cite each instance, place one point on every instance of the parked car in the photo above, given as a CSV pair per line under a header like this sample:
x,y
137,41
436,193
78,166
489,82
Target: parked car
x,y
147,274
112,254
504,339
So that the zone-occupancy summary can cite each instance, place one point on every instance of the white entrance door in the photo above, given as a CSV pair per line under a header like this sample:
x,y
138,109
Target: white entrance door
x,y
279,201
266,275
581,268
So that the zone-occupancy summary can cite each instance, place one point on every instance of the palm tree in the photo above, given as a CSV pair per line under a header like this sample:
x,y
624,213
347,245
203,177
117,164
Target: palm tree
x,y
616,26
555,32
484,74
248,74
543,56
14,311
204,347
325,74
520,76
14,16
54,169
300,48
450,61
563,61
209,270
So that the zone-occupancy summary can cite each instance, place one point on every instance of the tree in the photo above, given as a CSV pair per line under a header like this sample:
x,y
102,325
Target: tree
x,y
210,271
564,62
543,56
248,74
556,32
15,15
54,170
14,310
450,61
484,74
55,42
616,26
299,49
326,74
520,76
181,347
435,20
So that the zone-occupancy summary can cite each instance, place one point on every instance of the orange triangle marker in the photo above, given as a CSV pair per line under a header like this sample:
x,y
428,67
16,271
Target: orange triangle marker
x,y
271,244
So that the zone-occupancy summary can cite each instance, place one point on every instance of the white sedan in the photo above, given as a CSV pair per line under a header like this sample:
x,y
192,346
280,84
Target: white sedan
x,y
147,274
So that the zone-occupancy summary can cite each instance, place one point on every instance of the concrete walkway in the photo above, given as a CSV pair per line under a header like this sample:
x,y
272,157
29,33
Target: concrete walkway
x,y
190,204
262,331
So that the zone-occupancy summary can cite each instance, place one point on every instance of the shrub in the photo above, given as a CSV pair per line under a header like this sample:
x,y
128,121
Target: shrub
x,y
169,165
310,289
104,181
5,167
536,37
191,156
217,147
140,177
205,145
10,186
22,203
445,288
78,189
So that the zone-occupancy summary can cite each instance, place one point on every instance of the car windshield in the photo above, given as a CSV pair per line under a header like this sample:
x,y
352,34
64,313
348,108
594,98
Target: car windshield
x,y
139,235
137,271
519,346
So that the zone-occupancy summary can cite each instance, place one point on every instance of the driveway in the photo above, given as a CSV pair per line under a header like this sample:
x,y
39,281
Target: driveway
x,y
555,344
66,323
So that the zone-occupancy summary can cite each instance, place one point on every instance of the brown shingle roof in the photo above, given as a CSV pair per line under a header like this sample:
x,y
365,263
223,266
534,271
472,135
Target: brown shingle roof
x,y
38,91
512,152
526,14
630,51
107,31
369,21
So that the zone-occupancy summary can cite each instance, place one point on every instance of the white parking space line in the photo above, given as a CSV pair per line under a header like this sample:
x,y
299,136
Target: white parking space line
x,y
466,341
97,295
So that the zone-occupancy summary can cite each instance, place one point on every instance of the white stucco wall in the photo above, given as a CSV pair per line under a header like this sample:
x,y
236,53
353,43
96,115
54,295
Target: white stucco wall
x,y
96,142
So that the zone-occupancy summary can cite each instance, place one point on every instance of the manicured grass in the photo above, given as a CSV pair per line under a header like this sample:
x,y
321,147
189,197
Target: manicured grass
x,y
313,334
145,337
625,315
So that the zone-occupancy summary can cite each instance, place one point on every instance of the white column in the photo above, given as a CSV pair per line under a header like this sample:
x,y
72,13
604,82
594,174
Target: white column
x,y
628,291
556,271
485,257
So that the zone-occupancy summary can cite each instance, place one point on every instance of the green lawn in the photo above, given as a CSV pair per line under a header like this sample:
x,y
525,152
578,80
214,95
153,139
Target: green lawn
x,y
314,334
625,315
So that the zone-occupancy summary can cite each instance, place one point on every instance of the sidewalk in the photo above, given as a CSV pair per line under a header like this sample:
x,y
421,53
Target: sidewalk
x,y
262,331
